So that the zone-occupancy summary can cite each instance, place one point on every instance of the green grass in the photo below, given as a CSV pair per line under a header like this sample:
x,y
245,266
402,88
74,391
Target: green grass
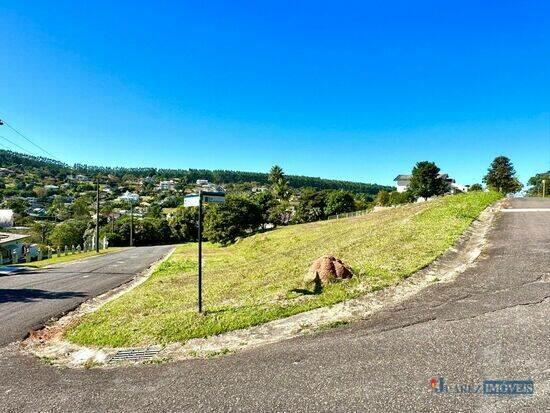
x,y
255,280
67,258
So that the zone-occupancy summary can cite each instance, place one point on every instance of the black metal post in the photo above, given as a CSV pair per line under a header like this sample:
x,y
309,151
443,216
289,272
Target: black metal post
x,y
131,223
200,252
97,219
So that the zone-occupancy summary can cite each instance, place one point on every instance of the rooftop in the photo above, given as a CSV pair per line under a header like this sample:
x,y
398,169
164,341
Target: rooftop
x,y
6,237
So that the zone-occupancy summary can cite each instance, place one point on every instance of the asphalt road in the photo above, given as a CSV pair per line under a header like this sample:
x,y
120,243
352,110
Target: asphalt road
x,y
30,297
492,322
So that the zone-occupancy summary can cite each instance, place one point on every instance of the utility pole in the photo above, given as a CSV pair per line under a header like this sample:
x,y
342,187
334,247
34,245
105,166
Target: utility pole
x,y
97,218
543,188
131,223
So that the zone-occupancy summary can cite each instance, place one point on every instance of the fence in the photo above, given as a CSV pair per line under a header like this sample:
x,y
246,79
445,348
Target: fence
x,y
349,214
30,253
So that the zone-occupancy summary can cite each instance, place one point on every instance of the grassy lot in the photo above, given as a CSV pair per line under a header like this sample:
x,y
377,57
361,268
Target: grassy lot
x,y
57,260
260,278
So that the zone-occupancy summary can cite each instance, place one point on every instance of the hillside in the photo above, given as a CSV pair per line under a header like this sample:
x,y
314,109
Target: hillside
x,y
10,159
260,278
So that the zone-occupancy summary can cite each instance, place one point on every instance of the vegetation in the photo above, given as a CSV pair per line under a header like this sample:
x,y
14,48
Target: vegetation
x,y
58,202
501,176
536,186
476,187
426,180
261,277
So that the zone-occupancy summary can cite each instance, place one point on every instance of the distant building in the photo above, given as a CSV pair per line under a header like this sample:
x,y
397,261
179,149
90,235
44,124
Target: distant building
x,y
8,244
6,218
51,187
82,178
403,181
129,197
202,182
167,185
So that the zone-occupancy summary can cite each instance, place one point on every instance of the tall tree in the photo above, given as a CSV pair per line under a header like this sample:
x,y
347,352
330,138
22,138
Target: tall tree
x,y
426,180
501,176
279,184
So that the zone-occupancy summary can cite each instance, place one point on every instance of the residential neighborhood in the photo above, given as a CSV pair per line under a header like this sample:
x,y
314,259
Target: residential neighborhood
x,y
274,207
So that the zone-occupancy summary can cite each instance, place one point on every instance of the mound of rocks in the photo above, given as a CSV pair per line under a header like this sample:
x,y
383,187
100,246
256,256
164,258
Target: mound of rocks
x,y
327,269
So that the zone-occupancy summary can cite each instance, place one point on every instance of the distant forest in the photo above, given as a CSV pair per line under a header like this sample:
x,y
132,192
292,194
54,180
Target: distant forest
x,y
52,167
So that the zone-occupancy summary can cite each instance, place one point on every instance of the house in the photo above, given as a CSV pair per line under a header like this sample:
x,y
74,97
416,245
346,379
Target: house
x,y
51,187
403,181
166,185
202,182
6,218
8,244
129,197
82,178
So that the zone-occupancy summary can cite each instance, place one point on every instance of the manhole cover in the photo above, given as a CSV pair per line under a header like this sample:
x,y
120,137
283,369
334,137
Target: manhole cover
x,y
134,354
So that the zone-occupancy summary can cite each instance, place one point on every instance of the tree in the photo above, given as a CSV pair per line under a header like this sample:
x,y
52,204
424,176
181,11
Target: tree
x,y
184,224
234,218
71,232
475,187
426,180
266,202
536,184
382,198
58,209
501,176
81,208
41,230
311,206
339,202
279,184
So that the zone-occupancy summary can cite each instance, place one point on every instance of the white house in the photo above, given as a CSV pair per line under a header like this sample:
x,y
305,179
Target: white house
x,y
167,186
403,181
6,218
129,197
202,182
8,243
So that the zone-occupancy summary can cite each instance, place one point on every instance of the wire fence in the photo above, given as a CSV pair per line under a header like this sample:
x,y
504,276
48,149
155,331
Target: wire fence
x,y
349,214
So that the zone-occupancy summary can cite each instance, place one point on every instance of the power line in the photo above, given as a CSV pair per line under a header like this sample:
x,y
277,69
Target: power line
x,y
3,122
20,147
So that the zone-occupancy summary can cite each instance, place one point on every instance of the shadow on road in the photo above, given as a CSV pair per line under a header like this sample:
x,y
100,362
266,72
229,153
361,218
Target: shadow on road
x,y
30,295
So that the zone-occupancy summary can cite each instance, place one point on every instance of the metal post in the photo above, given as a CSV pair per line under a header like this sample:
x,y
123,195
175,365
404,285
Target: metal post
x,y
131,224
543,188
97,218
200,252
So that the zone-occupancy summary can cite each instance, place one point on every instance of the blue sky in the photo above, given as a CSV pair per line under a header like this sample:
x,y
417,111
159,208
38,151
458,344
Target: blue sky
x,y
349,90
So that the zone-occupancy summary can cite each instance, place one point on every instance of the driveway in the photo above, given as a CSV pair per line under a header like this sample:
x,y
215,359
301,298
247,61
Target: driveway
x,y
491,323
29,297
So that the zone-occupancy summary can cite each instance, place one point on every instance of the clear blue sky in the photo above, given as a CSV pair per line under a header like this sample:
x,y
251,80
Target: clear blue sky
x,y
349,90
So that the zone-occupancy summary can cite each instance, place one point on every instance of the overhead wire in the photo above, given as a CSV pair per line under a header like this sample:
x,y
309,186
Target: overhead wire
x,y
3,122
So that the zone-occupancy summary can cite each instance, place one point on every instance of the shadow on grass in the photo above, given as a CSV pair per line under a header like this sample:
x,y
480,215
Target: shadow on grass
x,y
317,289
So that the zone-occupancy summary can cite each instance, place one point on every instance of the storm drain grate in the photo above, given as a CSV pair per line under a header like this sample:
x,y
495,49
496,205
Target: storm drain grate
x,y
134,354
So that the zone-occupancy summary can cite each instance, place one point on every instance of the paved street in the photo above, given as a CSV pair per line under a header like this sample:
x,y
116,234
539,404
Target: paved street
x,y
30,297
492,322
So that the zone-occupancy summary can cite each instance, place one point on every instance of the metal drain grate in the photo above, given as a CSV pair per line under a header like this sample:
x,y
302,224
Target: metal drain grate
x,y
135,354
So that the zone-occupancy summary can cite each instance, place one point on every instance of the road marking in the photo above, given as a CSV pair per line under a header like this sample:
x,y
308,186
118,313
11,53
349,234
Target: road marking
x,y
526,210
